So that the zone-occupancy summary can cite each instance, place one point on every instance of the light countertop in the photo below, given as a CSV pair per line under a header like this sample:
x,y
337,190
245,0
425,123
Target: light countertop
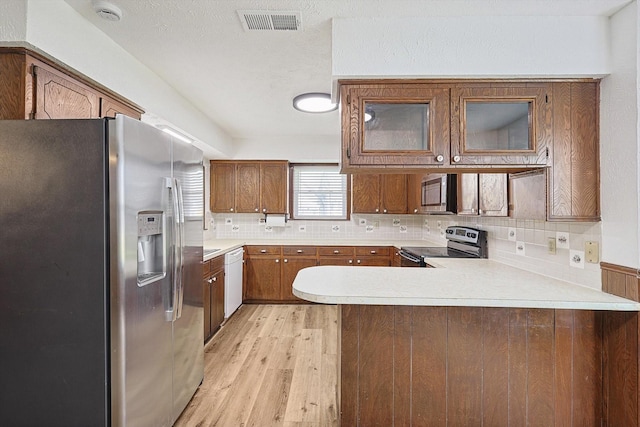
x,y
454,282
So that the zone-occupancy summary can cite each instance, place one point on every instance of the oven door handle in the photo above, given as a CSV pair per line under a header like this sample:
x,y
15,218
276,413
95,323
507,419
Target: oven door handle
x,y
411,257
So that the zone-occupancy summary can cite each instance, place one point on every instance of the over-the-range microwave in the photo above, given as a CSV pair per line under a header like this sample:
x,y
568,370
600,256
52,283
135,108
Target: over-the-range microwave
x,y
439,194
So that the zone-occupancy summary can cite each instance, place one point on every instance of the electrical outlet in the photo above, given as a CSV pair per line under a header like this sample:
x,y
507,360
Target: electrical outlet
x,y
362,221
551,245
520,249
576,258
511,234
592,252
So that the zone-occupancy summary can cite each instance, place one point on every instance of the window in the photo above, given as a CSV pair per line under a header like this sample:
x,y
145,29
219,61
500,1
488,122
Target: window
x,y
319,192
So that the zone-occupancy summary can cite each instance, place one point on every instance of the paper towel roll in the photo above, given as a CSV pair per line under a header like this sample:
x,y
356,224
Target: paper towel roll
x,y
275,220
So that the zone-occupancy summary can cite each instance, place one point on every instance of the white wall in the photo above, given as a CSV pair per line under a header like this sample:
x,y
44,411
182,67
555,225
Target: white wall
x,y
619,144
471,46
307,149
58,30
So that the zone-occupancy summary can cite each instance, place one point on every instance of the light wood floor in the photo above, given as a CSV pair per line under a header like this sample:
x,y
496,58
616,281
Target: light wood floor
x,y
270,365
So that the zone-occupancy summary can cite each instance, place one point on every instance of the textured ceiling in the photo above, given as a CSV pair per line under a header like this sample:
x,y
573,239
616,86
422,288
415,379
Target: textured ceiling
x,y
245,81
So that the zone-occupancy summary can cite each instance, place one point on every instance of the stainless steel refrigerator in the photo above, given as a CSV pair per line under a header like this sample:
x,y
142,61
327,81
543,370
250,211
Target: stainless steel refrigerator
x,y
101,312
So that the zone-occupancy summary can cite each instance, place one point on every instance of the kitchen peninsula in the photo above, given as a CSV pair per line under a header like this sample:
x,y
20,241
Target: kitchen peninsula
x,y
471,342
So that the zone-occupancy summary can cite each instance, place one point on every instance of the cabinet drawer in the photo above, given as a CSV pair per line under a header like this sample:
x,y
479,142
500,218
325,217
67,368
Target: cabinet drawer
x,y
206,268
299,251
335,250
373,250
336,260
264,250
217,263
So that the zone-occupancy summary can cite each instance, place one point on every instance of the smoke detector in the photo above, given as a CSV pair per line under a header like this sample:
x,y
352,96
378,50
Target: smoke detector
x,y
108,11
270,20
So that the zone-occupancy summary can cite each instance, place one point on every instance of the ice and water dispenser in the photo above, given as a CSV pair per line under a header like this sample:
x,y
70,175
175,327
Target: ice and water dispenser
x,y
151,247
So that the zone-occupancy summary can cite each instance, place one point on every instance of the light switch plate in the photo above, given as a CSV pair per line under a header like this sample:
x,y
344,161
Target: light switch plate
x,y
592,252
576,258
562,240
551,246
520,248
511,234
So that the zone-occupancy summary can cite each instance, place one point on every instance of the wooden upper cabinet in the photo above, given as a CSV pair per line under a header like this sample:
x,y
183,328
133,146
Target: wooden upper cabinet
x,y
273,186
35,87
414,193
58,96
527,195
249,186
483,194
379,193
574,178
500,124
223,187
404,125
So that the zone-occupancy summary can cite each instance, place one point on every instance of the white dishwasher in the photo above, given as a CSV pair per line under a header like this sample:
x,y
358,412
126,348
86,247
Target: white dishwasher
x,y
232,281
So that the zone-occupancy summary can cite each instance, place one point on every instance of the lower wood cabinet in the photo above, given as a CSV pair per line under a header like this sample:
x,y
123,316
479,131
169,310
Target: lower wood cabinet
x,y
213,295
271,270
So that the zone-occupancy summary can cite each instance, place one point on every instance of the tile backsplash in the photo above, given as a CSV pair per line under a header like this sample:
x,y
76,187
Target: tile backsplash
x,y
520,243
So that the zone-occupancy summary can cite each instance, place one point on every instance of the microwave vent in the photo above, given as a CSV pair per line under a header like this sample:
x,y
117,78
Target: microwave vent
x,y
270,20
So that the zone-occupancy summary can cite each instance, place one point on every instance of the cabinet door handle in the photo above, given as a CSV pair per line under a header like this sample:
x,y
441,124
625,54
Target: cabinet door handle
x,y
255,210
299,251
377,210
277,261
210,281
350,261
286,260
456,159
231,209
215,279
263,251
480,211
415,211
384,211
373,252
440,158
264,209
358,261
336,252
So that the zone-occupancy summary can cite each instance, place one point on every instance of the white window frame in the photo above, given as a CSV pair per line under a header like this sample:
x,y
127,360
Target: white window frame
x,y
295,171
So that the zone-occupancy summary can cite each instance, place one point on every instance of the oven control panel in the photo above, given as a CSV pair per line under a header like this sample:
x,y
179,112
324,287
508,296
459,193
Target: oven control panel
x,y
465,234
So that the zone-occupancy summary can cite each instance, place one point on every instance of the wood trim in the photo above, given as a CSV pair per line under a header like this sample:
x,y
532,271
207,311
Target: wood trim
x,y
396,81
619,268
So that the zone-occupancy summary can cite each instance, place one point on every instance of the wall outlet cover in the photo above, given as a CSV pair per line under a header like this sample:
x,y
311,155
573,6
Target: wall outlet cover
x,y
592,252
396,222
511,234
268,228
403,228
426,222
439,224
562,240
551,245
376,224
369,229
235,228
335,228
427,230
520,248
261,220
362,221
302,228
576,258
228,221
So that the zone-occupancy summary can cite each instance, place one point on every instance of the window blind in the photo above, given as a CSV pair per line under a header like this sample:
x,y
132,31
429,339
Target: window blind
x,y
319,192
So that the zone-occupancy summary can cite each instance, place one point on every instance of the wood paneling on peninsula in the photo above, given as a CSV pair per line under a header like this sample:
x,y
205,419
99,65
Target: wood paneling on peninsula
x,y
409,365
621,361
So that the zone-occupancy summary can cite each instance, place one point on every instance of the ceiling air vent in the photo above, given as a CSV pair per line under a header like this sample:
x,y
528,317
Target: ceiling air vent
x,y
270,20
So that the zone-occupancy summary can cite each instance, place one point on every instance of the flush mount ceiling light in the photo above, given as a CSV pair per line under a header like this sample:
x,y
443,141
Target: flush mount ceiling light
x,y
108,11
314,102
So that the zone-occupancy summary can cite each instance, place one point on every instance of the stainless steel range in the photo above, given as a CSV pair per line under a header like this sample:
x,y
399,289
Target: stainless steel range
x,y
462,242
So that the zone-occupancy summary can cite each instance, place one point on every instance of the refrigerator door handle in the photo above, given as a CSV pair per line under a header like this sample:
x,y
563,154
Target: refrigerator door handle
x,y
180,248
175,270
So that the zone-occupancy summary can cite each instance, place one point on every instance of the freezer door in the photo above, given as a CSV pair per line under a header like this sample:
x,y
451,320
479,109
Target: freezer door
x,y
141,326
188,356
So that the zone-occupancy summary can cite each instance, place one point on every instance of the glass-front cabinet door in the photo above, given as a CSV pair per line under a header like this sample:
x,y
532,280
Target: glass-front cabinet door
x,y
500,125
395,124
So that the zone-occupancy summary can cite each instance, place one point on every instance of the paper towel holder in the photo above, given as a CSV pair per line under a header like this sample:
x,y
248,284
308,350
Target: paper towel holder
x,y
285,215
